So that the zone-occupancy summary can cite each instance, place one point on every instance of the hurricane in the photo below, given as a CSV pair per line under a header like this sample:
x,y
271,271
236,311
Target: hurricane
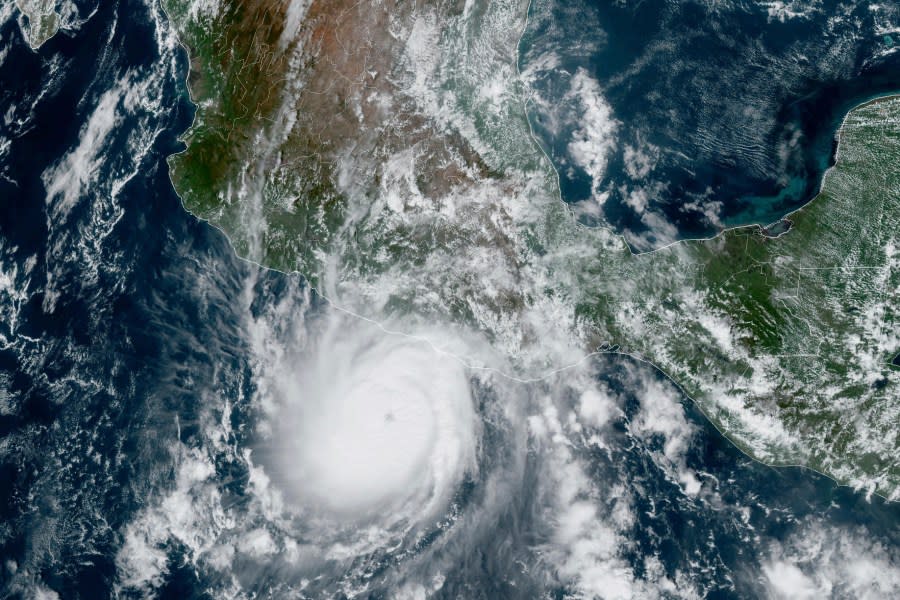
x,y
395,354
364,423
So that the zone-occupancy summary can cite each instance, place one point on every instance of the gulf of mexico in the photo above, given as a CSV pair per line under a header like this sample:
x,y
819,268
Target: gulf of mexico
x,y
712,115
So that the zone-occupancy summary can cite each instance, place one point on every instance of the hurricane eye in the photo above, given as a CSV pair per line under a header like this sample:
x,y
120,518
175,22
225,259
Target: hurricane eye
x,y
371,421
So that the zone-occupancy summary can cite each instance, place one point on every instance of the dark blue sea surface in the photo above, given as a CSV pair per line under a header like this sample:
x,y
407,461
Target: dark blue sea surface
x,y
123,331
724,113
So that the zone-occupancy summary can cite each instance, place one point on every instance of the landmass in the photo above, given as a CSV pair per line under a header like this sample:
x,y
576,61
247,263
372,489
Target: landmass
x,y
383,152
39,20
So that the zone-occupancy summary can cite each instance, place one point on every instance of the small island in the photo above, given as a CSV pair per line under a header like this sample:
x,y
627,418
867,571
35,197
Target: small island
x,y
41,21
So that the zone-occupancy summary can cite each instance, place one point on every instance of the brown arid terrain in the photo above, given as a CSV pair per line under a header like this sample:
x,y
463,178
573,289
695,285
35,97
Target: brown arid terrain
x,y
296,111
382,151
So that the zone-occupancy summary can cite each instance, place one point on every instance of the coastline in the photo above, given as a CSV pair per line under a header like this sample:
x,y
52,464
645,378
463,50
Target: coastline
x,y
43,21
736,222
554,371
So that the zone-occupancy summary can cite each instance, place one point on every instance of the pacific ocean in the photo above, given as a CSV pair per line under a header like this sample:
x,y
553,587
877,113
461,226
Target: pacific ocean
x,y
124,341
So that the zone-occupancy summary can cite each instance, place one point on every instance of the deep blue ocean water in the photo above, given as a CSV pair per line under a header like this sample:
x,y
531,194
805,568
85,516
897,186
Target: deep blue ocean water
x,y
121,330
734,108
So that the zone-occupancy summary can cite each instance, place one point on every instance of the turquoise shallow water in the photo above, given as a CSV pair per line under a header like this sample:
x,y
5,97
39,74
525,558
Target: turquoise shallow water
x,y
125,333
731,111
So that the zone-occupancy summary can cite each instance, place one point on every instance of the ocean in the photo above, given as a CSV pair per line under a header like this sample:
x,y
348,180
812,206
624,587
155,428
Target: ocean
x,y
130,396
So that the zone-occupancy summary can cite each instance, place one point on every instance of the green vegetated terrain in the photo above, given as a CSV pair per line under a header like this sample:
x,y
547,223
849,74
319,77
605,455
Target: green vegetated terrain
x,y
794,335
300,104
237,167
41,20
784,342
